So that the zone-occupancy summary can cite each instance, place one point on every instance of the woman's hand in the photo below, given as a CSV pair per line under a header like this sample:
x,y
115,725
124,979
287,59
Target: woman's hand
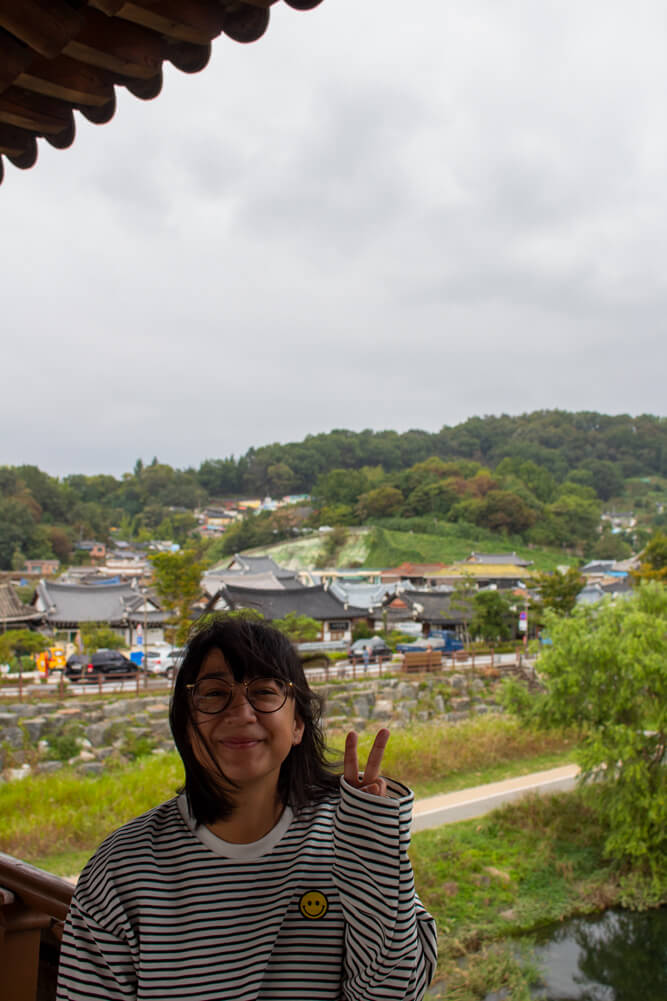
x,y
371,781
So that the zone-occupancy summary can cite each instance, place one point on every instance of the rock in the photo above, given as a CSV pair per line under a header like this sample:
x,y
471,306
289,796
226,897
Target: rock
x,y
23,710
334,708
438,704
102,753
87,756
8,719
482,708
120,708
383,709
98,733
22,772
508,915
34,728
161,728
458,705
457,681
48,766
13,736
157,708
423,715
362,707
406,691
91,768
498,873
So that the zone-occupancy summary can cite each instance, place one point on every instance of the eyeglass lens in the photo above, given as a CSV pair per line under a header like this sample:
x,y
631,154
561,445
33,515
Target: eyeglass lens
x,y
213,695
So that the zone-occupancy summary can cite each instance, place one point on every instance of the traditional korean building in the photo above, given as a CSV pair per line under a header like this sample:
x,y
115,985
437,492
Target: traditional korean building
x,y
335,616
67,607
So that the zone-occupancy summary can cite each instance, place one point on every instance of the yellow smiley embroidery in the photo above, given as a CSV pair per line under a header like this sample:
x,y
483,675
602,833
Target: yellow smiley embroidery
x,y
313,905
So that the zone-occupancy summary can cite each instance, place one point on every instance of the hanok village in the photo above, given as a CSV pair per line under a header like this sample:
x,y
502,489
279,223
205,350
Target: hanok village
x,y
389,645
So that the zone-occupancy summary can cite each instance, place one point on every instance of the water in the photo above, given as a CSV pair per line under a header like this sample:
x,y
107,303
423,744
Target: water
x,y
617,956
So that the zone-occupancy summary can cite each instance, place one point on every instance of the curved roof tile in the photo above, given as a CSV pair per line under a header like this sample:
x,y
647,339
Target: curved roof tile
x,y
62,56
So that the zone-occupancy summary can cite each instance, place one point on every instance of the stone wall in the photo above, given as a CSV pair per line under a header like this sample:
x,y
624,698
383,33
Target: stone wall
x,y
90,733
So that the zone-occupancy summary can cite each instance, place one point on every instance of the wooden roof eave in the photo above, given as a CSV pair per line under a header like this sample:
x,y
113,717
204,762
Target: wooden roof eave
x,y
57,57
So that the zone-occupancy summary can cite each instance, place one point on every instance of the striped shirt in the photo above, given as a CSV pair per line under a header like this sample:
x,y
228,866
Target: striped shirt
x,y
322,908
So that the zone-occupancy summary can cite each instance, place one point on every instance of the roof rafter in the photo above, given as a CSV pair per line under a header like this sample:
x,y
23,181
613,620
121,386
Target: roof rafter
x,y
62,56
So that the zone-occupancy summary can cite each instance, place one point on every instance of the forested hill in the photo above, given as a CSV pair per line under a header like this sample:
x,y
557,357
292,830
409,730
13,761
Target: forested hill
x,y
555,439
543,477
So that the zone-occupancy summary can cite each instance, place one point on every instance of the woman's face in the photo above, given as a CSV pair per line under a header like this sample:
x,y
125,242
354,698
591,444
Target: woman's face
x,y
248,746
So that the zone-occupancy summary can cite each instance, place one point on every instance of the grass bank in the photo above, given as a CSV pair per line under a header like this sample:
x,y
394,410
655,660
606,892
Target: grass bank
x,y
397,540
56,820
526,865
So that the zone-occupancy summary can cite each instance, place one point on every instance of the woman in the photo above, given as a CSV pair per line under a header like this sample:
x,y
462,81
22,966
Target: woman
x,y
268,877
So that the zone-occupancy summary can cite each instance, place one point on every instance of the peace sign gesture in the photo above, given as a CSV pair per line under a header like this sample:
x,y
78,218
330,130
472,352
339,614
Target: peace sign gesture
x,y
371,781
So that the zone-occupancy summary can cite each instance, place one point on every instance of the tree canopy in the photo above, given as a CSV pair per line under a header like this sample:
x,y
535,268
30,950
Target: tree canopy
x,y
605,672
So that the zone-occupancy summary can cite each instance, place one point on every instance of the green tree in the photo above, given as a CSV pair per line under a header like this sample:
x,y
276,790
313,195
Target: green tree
x,y
605,672
653,562
462,600
558,591
492,617
96,636
21,643
177,577
380,502
611,546
298,628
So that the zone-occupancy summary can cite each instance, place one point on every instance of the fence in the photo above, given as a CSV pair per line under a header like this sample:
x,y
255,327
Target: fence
x,y
33,908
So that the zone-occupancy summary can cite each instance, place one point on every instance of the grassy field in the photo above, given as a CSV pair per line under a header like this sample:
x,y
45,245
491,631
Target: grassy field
x,y
390,547
56,820
400,540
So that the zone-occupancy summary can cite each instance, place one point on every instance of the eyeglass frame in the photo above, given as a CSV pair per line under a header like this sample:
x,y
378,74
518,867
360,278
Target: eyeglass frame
x,y
289,690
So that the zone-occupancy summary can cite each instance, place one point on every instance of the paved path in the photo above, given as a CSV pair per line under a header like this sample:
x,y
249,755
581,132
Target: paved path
x,y
447,808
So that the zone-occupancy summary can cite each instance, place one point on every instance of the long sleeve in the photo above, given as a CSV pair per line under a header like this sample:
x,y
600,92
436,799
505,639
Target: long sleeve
x,y
390,940
94,963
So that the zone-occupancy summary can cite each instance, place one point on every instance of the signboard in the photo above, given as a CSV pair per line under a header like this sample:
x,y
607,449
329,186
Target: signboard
x,y
523,622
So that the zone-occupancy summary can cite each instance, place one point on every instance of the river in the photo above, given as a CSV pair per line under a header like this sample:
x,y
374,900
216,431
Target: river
x,y
616,956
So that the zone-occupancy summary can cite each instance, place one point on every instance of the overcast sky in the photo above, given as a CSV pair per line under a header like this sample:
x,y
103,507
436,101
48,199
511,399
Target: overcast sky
x,y
382,214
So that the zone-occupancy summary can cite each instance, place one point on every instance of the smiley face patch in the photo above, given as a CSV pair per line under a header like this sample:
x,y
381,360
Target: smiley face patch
x,y
313,905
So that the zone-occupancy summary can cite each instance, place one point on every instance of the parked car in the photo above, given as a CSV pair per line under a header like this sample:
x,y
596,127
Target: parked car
x,y
173,661
103,663
441,640
164,660
156,660
377,649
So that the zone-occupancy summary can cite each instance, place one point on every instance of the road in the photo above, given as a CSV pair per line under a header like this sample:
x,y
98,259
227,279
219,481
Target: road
x,y
338,670
448,808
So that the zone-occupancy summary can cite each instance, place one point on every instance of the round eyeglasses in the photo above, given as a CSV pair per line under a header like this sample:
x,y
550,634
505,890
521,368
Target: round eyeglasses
x,y
213,695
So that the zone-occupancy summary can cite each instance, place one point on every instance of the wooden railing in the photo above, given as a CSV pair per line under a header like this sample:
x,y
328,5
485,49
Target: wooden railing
x,y
33,908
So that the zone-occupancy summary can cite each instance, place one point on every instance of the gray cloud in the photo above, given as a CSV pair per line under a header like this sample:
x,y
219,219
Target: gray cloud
x,y
374,217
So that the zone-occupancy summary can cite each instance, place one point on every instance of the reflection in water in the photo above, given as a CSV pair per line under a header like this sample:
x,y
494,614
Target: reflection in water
x,y
620,956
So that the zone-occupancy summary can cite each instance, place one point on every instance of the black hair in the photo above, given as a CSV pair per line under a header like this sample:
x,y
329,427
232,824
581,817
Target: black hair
x,y
251,648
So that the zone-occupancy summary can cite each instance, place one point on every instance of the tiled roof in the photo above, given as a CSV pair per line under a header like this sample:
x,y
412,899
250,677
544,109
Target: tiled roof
x,y
212,582
431,606
12,609
62,56
315,602
109,603
259,564
498,558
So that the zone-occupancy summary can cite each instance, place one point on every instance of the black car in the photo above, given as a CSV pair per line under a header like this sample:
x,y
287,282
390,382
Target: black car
x,y
377,649
103,663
